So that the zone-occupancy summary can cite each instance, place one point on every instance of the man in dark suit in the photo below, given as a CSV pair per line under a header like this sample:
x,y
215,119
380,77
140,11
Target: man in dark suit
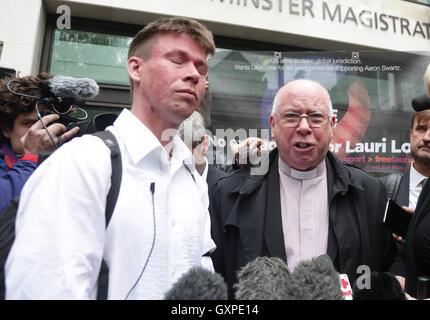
x,y
413,259
406,187
306,204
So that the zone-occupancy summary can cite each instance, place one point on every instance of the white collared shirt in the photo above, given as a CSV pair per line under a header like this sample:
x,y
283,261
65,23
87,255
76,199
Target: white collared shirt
x,y
60,227
305,212
415,186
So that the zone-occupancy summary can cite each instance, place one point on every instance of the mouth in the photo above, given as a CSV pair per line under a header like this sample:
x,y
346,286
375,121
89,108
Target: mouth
x,y
188,92
303,145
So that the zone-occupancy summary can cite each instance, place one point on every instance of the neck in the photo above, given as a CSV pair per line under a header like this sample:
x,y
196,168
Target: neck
x,y
424,169
164,131
200,167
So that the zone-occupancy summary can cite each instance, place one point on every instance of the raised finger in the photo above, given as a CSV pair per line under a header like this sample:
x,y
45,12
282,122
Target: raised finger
x,y
69,134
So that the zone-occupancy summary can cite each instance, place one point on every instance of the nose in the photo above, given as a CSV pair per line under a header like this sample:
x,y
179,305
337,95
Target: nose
x,y
427,135
303,127
192,74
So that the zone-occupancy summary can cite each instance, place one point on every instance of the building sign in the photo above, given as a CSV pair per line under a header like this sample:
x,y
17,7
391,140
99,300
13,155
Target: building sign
x,y
341,14
371,93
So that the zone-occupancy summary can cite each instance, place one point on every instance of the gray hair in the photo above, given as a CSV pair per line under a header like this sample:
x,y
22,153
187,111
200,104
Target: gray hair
x,y
192,129
276,100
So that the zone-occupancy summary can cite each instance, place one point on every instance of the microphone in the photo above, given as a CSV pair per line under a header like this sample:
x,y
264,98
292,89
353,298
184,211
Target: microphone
x,y
314,279
69,87
63,92
423,287
262,279
383,286
421,103
198,284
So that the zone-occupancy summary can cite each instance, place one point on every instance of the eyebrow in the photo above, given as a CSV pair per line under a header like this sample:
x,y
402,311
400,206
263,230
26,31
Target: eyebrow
x,y
185,55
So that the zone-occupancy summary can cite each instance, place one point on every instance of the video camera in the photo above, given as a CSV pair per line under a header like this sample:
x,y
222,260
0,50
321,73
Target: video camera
x,y
65,95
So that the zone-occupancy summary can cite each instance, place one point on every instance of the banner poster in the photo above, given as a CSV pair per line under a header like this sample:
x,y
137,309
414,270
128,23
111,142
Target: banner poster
x,y
371,94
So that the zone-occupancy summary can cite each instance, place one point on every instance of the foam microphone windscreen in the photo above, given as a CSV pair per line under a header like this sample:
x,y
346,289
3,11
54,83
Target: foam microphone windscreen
x,y
198,284
262,279
382,286
69,87
314,279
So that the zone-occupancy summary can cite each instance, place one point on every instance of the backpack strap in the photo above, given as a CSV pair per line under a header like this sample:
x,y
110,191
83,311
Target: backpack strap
x,y
392,184
110,141
115,154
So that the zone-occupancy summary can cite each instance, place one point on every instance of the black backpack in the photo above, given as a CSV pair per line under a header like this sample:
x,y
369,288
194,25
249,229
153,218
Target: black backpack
x,y
7,218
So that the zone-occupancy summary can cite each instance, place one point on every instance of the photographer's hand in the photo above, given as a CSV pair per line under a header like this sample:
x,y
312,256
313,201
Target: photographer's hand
x,y
37,139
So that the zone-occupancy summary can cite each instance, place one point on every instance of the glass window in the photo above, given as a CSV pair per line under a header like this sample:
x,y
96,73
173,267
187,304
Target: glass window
x,y
83,54
371,93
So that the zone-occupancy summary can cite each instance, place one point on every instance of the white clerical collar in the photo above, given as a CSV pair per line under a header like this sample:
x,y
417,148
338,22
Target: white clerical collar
x,y
301,175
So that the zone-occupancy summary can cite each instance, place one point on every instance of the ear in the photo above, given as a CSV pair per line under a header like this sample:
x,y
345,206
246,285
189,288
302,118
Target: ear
x,y
205,145
272,125
134,68
6,133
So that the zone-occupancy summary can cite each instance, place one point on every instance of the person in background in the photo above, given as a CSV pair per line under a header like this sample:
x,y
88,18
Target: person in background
x,y
22,135
193,132
160,227
307,204
413,259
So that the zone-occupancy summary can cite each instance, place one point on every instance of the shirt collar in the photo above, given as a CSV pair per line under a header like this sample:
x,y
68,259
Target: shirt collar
x,y
415,177
7,153
301,175
140,141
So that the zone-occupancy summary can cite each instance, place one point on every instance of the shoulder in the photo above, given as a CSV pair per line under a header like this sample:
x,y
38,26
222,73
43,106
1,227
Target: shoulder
x,y
87,151
357,176
366,181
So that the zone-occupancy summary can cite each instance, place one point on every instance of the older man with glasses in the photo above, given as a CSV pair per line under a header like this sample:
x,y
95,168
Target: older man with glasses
x,y
307,204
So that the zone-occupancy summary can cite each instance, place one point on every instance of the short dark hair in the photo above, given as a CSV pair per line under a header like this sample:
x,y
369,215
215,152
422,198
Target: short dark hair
x,y
194,29
12,105
420,116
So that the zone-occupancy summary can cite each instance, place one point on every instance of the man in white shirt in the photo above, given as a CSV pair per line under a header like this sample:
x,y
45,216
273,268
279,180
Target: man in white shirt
x,y
160,227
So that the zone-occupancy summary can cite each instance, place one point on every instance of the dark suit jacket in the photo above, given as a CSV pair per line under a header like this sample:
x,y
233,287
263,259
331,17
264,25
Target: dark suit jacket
x,y
246,219
213,175
408,264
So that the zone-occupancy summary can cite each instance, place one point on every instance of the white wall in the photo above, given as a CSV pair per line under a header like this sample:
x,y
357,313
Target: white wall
x,y
281,21
22,25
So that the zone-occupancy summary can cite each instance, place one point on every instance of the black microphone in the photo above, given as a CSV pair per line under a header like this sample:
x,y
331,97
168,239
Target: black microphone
x,y
423,287
198,284
69,87
421,103
383,286
314,279
262,279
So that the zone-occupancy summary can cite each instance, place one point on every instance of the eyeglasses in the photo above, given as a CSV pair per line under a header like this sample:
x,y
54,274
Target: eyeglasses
x,y
292,119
